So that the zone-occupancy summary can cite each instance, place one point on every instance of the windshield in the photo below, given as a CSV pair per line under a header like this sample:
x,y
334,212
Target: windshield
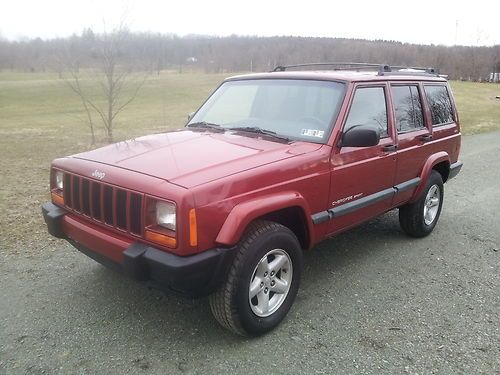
x,y
296,109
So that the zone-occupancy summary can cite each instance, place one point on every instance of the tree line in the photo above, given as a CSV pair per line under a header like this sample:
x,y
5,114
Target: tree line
x,y
156,52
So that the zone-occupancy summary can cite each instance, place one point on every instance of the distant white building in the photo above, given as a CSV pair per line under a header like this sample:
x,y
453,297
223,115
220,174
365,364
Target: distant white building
x,y
495,77
191,60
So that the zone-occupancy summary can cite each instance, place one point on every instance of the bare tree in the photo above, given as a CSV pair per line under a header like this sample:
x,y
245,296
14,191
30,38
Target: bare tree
x,y
118,83
74,85
68,67
117,78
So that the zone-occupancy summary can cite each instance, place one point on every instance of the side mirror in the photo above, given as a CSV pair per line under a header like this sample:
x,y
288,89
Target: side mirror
x,y
190,116
360,136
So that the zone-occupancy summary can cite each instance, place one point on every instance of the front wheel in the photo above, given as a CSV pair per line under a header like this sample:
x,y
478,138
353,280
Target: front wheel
x,y
262,282
418,219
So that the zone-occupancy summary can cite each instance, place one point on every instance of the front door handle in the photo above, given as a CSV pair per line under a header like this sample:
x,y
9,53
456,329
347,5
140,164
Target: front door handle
x,y
390,148
426,138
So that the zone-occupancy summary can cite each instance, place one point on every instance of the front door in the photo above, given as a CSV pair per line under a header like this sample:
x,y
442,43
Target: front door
x,y
362,178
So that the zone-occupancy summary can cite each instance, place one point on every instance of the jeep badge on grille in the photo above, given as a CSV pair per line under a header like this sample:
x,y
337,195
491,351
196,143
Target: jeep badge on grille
x,y
98,174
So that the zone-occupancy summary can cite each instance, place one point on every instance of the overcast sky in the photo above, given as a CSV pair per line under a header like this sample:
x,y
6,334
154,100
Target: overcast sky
x,y
418,21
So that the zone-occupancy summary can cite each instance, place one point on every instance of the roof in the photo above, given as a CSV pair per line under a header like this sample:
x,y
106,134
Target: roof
x,y
342,75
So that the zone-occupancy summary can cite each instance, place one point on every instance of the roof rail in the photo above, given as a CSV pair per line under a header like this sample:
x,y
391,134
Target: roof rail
x,y
383,69
415,69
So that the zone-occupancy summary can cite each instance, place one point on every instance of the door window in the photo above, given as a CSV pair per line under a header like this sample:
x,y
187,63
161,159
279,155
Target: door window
x,y
407,108
368,108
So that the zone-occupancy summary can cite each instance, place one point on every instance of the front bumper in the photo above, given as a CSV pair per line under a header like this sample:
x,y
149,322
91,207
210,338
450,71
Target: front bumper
x,y
195,275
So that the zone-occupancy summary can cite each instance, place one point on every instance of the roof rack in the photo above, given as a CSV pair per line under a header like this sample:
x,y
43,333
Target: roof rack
x,y
382,69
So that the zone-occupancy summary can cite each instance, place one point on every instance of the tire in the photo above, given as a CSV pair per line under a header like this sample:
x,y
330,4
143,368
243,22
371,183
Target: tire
x,y
252,271
418,219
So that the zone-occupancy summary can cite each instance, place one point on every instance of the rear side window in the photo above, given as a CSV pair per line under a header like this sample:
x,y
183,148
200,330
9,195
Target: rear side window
x,y
407,108
368,108
440,104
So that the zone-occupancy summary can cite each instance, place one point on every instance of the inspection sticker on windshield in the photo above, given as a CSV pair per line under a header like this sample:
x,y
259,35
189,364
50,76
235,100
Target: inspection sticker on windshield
x,y
312,133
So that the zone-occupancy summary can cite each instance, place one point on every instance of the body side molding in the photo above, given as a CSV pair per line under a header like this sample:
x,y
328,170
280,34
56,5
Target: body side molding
x,y
347,208
407,184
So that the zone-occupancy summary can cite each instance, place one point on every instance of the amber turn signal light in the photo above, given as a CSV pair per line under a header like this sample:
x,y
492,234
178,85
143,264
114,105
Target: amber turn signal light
x,y
57,199
193,230
160,238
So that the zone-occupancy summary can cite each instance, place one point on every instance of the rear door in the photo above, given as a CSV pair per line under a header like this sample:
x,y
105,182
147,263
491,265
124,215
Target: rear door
x,y
362,177
442,118
425,123
413,137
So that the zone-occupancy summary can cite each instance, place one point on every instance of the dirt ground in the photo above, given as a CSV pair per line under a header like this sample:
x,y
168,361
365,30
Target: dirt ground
x,y
372,301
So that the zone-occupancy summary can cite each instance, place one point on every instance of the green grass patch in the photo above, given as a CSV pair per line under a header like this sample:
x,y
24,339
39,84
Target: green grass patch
x,y
478,109
42,119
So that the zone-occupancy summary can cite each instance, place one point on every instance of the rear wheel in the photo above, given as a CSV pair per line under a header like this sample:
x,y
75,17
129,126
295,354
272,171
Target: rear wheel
x,y
418,219
262,282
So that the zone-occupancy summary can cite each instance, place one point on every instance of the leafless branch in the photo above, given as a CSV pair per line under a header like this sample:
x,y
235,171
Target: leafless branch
x,y
117,84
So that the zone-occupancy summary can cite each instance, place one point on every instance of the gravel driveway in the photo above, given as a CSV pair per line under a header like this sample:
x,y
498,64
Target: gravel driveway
x,y
372,301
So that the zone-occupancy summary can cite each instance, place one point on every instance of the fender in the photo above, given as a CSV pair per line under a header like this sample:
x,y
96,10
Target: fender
x,y
426,171
244,213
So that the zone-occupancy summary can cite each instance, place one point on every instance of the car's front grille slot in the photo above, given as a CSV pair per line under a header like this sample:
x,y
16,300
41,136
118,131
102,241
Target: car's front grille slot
x,y
76,193
135,207
113,206
121,209
108,205
67,190
86,196
96,200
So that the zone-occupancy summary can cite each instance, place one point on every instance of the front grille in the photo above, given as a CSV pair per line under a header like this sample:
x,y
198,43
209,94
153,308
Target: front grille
x,y
108,204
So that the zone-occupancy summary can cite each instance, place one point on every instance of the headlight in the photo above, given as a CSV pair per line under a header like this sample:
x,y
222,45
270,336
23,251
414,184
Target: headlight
x,y
165,215
59,180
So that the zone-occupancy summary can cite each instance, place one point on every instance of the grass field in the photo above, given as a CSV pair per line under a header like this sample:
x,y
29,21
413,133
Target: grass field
x,y
41,119
478,108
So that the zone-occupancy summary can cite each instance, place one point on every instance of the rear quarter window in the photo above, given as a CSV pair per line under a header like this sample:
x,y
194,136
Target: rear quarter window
x,y
439,101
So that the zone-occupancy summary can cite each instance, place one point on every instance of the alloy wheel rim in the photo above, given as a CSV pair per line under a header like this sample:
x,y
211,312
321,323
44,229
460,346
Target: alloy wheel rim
x,y
270,282
431,204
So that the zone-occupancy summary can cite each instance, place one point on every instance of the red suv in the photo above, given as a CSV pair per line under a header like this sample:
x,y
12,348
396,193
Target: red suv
x,y
267,167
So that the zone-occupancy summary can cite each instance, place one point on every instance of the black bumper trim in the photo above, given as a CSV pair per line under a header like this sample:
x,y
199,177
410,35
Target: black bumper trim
x,y
52,215
455,169
195,275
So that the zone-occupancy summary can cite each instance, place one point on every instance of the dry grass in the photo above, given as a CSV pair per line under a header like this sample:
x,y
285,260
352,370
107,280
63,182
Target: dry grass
x,y
478,108
41,119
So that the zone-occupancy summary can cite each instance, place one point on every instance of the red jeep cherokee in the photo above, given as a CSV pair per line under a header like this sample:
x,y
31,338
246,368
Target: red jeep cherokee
x,y
267,167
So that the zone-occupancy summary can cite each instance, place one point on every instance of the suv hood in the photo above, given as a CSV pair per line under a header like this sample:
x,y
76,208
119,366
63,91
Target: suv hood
x,y
189,158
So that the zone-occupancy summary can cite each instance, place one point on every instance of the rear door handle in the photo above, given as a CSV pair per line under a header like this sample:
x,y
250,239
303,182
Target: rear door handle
x,y
426,138
390,148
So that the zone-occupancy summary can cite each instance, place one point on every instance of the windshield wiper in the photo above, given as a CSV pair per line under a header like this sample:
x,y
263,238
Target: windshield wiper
x,y
257,130
205,125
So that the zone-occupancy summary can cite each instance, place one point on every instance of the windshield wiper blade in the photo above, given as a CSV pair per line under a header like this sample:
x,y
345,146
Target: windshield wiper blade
x,y
205,125
257,130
